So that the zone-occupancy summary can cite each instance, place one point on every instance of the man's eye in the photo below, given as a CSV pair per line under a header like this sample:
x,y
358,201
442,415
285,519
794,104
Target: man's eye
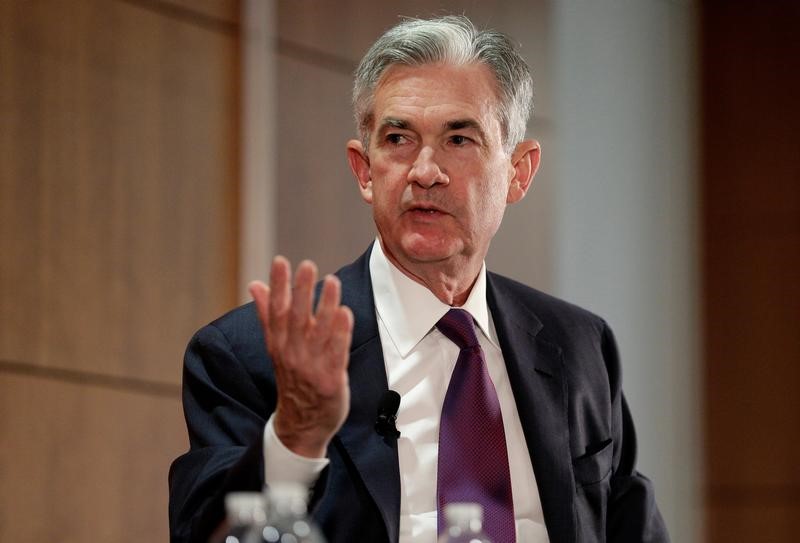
x,y
395,139
459,139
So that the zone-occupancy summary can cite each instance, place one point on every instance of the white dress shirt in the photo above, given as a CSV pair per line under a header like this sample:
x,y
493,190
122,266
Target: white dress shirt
x,y
419,361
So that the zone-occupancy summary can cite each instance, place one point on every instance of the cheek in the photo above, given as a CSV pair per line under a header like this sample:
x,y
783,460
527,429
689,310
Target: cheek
x,y
490,201
490,213
388,184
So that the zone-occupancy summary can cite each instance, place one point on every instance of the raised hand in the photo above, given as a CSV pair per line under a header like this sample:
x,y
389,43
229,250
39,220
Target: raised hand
x,y
310,352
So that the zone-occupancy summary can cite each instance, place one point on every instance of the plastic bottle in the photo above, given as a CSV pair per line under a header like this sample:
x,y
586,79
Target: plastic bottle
x,y
464,524
287,518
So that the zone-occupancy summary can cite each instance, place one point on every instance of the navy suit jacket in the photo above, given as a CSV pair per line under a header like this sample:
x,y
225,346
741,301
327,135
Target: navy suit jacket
x,y
564,371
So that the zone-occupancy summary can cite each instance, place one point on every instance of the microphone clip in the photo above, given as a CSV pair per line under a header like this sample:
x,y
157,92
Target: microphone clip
x,y
386,423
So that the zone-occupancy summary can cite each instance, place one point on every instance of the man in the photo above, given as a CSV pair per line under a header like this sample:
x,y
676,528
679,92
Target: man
x,y
509,397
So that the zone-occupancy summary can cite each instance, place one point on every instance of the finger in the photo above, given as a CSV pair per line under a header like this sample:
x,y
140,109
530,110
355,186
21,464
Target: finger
x,y
303,294
326,308
341,336
279,276
260,293
280,298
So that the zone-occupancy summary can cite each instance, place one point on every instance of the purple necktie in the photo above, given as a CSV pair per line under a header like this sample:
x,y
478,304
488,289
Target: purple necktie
x,y
473,459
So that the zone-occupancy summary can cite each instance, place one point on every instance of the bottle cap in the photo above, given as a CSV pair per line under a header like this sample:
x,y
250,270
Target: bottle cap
x,y
244,506
287,498
468,516
288,491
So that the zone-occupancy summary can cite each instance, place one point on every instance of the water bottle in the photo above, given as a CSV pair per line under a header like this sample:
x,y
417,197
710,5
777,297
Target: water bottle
x,y
287,518
245,517
463,524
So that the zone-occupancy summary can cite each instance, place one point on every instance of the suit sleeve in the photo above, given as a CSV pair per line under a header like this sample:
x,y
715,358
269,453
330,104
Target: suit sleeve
x,y
632,515
225,415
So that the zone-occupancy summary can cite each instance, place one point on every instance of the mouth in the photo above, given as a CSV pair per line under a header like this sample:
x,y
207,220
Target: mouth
x,y
430,212
426,209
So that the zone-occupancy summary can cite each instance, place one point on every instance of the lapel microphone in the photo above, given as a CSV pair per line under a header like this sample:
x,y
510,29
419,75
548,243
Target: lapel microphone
x,y
385,424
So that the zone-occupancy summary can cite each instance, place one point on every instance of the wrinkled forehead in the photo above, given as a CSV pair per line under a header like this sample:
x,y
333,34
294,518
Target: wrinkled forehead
x,y
472,87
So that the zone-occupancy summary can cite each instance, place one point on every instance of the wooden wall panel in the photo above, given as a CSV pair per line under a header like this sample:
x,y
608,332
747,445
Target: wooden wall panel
x,y
217,10
756,522
84,463
119,153
751,215
330,193
119,184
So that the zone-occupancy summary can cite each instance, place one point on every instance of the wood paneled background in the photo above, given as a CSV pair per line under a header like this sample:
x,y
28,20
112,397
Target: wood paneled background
x,y
119,153
751,269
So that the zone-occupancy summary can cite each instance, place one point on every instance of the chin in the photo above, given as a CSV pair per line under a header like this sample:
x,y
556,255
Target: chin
x,y
422,249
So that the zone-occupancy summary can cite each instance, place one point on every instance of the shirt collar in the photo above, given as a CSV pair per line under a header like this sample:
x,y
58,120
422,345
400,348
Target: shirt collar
x,y
409,310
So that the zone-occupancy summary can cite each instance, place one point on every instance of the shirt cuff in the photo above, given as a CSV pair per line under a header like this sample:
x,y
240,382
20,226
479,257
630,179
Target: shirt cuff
x,y
284,466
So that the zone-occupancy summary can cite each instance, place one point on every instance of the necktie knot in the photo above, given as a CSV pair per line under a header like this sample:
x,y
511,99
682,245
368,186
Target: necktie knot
x,y
458,327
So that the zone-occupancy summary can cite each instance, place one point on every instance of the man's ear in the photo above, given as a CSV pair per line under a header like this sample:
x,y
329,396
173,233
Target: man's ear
x,y
359,164
525,163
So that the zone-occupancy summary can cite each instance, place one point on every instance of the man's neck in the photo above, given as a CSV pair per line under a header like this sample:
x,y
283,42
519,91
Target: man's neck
x,y
450,281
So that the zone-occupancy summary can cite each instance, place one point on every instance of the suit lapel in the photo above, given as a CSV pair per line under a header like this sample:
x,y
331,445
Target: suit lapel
x,y
540,391
374,457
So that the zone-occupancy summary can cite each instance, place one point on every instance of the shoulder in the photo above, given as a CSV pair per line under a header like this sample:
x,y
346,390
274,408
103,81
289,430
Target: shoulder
x,y
584,340
237,332
238,319
554,314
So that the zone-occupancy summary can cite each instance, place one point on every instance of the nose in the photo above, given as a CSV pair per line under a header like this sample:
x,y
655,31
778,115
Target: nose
x,y
426,171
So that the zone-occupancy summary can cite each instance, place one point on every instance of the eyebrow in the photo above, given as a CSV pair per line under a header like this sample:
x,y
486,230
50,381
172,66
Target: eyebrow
x,y
391,122
460,124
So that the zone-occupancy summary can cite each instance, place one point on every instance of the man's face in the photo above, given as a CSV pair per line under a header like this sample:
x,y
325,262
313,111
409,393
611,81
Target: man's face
x,y
436,172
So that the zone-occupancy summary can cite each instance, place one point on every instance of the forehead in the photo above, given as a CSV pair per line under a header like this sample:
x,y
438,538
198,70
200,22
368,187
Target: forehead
x,y
438,93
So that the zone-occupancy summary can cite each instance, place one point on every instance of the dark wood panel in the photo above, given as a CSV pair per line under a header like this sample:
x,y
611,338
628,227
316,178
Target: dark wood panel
x,y
83,463
751,264
753,372
753,522
118,185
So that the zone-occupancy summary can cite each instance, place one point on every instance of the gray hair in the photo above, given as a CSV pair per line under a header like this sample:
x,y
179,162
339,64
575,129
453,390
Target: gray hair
x,y
454,40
